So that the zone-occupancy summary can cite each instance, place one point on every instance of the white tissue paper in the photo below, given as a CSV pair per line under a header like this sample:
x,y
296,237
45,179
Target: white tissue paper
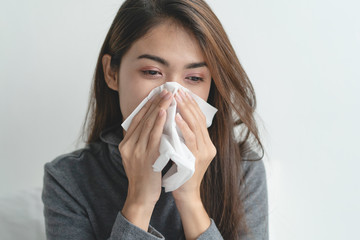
x,y
172,143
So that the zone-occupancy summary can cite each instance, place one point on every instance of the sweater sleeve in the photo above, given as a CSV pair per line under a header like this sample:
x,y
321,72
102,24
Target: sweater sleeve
x,y
255,202
66,218
255,199
212,233
127,230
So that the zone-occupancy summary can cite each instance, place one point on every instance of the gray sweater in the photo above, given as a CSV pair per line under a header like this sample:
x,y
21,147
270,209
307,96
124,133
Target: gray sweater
x,y
85,190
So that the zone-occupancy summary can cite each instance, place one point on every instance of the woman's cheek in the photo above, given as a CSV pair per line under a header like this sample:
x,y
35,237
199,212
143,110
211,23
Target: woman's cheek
x,y
131,100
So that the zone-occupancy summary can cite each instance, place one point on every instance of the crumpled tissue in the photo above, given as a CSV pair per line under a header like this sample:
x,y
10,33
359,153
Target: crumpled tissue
x,y
172,143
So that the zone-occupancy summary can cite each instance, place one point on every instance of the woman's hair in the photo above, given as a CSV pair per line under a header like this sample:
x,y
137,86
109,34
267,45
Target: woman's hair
x,y
231,93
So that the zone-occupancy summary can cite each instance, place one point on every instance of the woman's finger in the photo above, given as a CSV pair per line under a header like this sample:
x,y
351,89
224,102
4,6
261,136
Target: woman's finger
x,y
189,115
197,108
140,116
155,135
151,119
136,119
189,136
200,116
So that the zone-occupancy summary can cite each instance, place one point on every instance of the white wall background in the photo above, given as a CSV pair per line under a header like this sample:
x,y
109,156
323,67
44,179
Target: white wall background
x,y
302,57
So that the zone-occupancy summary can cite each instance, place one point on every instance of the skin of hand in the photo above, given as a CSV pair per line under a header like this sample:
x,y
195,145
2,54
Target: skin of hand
x,y
140,149
192,123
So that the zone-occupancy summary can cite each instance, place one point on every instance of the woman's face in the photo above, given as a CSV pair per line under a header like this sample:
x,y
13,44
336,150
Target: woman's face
x,y
167,53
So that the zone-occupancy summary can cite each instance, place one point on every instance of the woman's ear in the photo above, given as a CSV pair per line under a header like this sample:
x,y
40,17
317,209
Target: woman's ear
x,y
111,77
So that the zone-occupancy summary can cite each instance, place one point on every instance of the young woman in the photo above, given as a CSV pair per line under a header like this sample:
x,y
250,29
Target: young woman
x,y
108,189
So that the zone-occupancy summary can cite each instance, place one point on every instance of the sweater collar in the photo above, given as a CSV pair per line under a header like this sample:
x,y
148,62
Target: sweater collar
x,y
112,135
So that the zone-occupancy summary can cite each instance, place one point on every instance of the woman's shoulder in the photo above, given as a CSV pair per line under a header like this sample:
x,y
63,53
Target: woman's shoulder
x,y
75,162
254,184
253,164
255,194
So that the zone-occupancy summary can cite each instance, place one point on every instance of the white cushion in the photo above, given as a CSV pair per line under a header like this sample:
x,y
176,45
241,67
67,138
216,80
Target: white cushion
x,y
21,216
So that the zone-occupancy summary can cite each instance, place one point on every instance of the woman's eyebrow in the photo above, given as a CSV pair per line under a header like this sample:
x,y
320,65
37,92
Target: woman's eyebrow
x,y
154,58
166,63
196,65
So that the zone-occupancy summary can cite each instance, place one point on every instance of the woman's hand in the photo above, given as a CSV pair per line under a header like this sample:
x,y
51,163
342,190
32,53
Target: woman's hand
x,y
197,139
187,197
140,148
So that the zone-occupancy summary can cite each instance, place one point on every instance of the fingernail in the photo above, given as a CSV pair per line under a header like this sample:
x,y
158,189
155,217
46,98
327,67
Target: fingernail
x,y
161,112
178,97
182,93
189,96
179,117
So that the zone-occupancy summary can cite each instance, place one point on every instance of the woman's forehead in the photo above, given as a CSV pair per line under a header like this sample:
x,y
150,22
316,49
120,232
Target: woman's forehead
x,y
169,41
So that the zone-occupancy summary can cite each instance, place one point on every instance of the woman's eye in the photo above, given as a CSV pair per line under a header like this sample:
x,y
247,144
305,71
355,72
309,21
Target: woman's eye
x,y
195,79
151,72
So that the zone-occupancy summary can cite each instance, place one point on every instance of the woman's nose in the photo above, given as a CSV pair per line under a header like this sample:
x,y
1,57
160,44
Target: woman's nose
x,y
176,79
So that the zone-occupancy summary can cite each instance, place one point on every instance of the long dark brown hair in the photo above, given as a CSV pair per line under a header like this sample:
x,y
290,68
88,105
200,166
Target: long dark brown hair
x,y
231,93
